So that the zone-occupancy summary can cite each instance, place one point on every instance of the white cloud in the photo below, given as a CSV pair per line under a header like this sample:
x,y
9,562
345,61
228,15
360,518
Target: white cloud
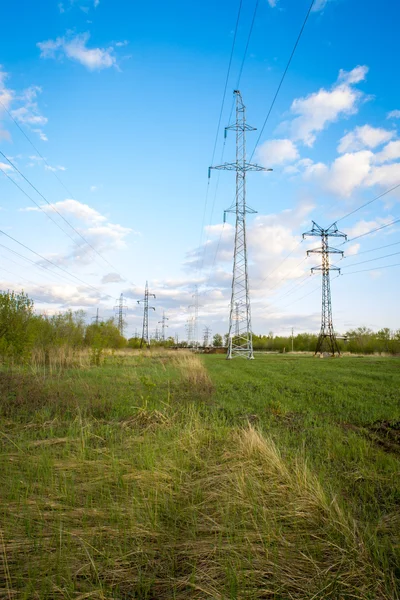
x,y
385,175
5,167
277,152
353,170
348,172
75,48
315,111
54,169
393,114
319,5
272,3
353,249
6,95
41,134
364,137
112,278
93,188
390,152
27,112
80,211
354,76
100,233
363,226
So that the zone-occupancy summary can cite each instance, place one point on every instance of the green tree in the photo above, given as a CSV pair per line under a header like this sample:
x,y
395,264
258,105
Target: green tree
x,y
16,313
217,340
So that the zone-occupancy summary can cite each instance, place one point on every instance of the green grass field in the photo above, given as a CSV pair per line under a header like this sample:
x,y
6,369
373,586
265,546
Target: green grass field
x,y
169,475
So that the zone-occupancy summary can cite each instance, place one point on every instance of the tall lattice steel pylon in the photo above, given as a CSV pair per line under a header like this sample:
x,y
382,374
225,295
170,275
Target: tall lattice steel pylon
x,y
327,339
145,331
120,312
163,326
241,344
237,319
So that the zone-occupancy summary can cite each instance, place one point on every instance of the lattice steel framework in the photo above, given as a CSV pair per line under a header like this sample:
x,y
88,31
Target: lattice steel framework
x,y
240,341
145,331
163,326
120,310
206,336
327,342
189,331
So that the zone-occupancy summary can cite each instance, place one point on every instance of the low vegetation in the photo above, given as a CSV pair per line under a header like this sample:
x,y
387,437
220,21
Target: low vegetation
x,y
164,474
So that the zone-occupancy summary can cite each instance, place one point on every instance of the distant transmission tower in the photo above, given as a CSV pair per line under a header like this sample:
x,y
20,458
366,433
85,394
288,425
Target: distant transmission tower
x,y
163,326
206,338
189,330
326,339
96,319
195,318
145,332
120,312
242,344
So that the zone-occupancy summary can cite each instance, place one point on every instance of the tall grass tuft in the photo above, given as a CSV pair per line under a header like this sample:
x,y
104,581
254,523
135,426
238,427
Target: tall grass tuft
x,y
131,495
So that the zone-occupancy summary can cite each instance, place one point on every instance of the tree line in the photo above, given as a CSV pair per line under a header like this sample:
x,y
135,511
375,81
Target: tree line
x,y
361,340
22,331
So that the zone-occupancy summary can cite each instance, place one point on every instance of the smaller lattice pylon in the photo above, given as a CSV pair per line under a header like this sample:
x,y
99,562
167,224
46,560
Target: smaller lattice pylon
x,y
145,331
327,343
163,326
120,312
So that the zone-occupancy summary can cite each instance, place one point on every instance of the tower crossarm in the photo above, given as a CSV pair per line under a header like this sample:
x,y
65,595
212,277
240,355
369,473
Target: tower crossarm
x,y
328,250
238,167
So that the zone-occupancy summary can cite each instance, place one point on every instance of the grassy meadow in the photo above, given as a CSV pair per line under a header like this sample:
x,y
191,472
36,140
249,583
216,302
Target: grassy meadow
x,y
169,475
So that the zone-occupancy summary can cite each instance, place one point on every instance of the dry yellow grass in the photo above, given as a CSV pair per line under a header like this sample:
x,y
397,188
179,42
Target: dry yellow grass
x,y
169,502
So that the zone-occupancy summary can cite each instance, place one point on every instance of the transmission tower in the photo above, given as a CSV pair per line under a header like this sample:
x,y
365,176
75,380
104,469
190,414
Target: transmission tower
x,y
163,326
189,330
120,312
145,331
206,339
96,319
237,319
195,317
242,344
326,339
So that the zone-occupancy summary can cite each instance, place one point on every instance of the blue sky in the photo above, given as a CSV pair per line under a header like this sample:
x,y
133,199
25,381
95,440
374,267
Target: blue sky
x,y
122,100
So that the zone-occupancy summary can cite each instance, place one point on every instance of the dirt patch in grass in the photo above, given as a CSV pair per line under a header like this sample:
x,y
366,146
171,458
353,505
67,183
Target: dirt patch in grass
x,y
385,434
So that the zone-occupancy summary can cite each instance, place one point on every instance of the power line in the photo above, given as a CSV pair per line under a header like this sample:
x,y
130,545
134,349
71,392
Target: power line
x,y
32,262
299,284
53,264
283,76
374,269
52,206
226,80
281,263
39,207
308,294
372,231
371,260
218,128
247,45
375,249
368,203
